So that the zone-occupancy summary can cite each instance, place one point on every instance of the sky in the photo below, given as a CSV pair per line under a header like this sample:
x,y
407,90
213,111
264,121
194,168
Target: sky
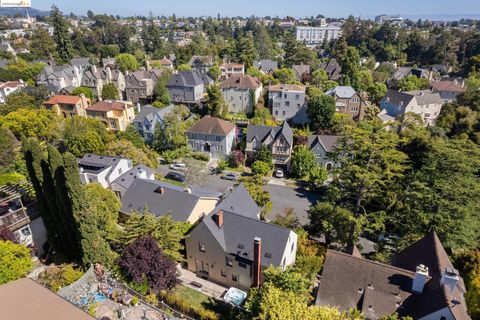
x,y
295,8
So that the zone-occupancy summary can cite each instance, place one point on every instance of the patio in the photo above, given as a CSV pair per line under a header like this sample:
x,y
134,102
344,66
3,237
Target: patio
x,y
191,280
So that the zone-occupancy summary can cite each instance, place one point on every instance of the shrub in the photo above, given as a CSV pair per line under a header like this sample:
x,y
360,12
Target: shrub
x,y
236,159
172,155
134,301
56,278
15,261
201,156
261,168
222,165
151,299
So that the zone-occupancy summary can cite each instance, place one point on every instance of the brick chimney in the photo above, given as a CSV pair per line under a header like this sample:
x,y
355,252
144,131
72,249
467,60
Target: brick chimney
x,y
421,278
219,218
257,261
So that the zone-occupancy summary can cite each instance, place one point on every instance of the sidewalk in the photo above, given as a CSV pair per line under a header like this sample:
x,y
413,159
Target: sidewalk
x,y
209,288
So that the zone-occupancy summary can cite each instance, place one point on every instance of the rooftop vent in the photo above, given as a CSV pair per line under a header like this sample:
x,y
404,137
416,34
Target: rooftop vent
x,y
268,255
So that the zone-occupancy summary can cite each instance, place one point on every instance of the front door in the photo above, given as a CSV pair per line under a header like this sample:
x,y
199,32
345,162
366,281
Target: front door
x,y
202,267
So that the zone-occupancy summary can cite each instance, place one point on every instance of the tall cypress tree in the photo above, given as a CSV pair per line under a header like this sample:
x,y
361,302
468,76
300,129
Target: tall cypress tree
x,y
61,36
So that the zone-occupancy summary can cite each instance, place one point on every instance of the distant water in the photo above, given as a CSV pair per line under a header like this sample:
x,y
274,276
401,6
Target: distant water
x,y
438,17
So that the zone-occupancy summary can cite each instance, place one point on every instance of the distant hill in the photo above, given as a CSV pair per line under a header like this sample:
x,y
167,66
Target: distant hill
x,y
22,11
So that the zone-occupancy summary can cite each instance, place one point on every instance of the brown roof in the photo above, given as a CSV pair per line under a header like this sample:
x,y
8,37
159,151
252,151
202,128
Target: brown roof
x,y
104,106
165,61
212,125
447,86
233,65
27,300
240,81
372,287
59,99
10,84
286,87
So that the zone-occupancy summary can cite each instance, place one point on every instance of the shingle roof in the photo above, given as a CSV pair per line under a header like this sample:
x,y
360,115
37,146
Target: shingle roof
x,y
104,106
374,288
99,160
300,70
266,65
148,112
239,81
186,79
238,232
59,99
126,179
447,86
27,300
240,202
212,125
260,133
426,97
342,92
80,61
174,200
327,141
11,84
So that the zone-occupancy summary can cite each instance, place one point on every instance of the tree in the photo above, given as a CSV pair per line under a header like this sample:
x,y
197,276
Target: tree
x,y
287,280
285,75
321,109
168,233
16,101
310,255
246,51
61,36
87,92
349,60
90,14
215,72
215,104
303,162
42,124
236,159
110,92
468,262
411,83
82,135
171,135
161,92
143,260
261,168
254,185
263,155
55,278
126,62
287,219
104,205
7,235
376,91
15,261
8,147
126,149
41,43
184,67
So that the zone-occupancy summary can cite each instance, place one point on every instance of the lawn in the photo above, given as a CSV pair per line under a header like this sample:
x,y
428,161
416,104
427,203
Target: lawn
x,y
201,301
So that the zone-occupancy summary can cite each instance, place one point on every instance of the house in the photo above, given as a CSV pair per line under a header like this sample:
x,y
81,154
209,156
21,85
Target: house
x,y
233,250
188,87
148,118
314,36
279,140
140,85
201,63
348,101
333,69
102,169
123,182
28,300
166,63
403,72
13,215
213,136
321,145
266,66
9,87
55,78
448,90
287,101
229,69
183,204
240,202
68,106
421,283
425,103
109,62
241,93
81,63
96,78
302,72
116,115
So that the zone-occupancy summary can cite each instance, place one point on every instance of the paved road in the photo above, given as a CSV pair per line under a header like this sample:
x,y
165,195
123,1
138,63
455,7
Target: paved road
x,y
282,197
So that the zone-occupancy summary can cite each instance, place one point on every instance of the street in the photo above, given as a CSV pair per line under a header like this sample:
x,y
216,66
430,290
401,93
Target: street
x,y
282,196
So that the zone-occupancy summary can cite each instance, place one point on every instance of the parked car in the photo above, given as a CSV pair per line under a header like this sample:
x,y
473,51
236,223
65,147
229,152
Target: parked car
x,y
230,176
177,166
279,173
175,176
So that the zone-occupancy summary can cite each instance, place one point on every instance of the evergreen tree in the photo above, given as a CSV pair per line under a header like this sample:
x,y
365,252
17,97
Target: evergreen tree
x,y
61,35
246,50
110,92
215,104
321,109
41,43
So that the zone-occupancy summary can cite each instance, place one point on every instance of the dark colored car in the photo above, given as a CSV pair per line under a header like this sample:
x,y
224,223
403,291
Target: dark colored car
x,y
175,176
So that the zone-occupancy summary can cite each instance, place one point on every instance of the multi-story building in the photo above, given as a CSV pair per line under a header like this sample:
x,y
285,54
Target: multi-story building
x,y
9,87
56,78
188,87
231,68
348,101
287,101
321,146
241,93
68,106
96,78
102,169
116,115
140,85
13,215
149,118
313,36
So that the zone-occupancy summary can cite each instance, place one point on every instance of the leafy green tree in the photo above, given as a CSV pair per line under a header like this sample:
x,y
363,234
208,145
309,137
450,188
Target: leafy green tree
x,y
215,103
167,232
85,136
261,168
104,205
83,90
303,161
246,51
254,185
126,149
110,92
287,219
412,83
263,155
55,278
126,62
161,92
41,43
349,60
131,134
287,280
215,72
8,147
184,67
310,255
321,109
376,91
285,75
16,101
172,134
297,53
15,261
109,50
61,36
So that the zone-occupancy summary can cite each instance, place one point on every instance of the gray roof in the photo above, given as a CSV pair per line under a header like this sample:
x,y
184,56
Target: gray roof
x,y
328,142
80,62
175,200
94,163
266,65
342,92
300,70
126,179
262,132
238,232
421,96
189,79
139,75
148,112
240,202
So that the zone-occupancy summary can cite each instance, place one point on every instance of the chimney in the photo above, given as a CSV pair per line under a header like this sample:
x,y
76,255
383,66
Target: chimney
x,y
147,65
257,259
421,278
94,69
109,74
187,190
219,218
450,279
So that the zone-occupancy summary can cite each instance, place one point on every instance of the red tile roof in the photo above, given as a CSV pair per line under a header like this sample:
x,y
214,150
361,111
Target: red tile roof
x,y
447,86
63,100
212,125
105,106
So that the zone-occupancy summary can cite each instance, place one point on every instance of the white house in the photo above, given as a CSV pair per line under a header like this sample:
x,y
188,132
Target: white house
x,y
102,169
317,35
241,93
9,87
287,101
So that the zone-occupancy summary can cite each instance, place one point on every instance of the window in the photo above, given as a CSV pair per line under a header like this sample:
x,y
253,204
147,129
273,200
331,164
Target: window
x,y
297,97
229,262
287,103
276,112
298,105
283,112
293,246
235,277
201,246
223,273
26,232
243,265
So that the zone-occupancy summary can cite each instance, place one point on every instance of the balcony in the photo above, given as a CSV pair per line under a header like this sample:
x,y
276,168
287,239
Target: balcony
x,y
15,219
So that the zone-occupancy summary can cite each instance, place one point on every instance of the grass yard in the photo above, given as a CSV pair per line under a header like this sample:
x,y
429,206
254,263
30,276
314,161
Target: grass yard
x,y
201,301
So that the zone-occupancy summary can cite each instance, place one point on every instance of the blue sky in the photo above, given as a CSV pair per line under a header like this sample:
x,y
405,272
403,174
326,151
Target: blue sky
x,y
296,8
